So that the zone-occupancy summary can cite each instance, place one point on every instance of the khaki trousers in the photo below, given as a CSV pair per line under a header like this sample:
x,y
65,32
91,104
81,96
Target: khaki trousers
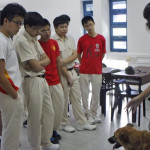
x,y
96,81
73,94
58,100
40,112
11,113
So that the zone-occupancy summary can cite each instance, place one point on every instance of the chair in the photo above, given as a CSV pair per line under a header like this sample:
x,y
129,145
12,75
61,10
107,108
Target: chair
x,y
128,93
107,85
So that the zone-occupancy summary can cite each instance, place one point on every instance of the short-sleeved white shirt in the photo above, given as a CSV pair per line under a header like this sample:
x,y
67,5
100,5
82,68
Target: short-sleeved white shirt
x,y
28,48
66,46
8,54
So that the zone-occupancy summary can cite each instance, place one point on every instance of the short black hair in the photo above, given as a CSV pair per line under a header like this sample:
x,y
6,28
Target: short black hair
x,y
86,19
146,15
59,20
33,19
66,17
11,10
46,22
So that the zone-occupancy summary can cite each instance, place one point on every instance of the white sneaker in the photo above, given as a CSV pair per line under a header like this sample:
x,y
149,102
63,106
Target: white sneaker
x,y
86,126
68,128
91,120
97,119
52,147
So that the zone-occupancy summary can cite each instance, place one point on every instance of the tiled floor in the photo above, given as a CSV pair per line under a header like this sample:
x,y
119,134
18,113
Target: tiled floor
x,y
97,139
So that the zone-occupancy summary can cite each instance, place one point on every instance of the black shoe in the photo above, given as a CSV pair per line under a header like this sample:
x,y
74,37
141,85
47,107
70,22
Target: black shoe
x,y
25,125
54,140
56,135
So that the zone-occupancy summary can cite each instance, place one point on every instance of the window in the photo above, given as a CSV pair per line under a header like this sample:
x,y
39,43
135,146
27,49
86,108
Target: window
x,y
87,9
118,26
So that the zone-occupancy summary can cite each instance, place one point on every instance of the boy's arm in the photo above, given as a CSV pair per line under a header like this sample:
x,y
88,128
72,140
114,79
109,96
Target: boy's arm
x,y
67,75
71,58
4,82
45,60
58,68
36,65
79,57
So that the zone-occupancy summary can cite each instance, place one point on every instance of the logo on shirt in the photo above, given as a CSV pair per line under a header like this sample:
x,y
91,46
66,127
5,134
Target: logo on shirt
x,y
97,48
53,47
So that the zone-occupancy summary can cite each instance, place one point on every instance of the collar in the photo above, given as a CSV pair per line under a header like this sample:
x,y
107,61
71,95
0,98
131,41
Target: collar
x,y
58,38
29,37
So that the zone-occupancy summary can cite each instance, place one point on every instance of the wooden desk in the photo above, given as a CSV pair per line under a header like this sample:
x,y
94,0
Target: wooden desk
x,y
141,77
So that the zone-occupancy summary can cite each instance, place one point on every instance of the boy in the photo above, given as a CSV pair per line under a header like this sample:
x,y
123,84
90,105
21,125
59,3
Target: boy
x,y
11,105
69,77
91,50
32,61
51,48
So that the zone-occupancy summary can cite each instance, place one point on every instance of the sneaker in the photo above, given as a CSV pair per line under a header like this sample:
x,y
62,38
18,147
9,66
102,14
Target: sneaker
x,y
91,120
52,147
54,140
56,135
86,126
97,119
68,128
25,125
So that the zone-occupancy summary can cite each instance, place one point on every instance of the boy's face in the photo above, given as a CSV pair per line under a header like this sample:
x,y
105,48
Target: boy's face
x,y
62,30
13,25
89,26
34,31
45,33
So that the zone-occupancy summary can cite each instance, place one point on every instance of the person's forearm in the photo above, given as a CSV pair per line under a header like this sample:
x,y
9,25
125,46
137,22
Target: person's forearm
x,y
145,93
58,69
70,59
65,72
79,57
44,61
6,86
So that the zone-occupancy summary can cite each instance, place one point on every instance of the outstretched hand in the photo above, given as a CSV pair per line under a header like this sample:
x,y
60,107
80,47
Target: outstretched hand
x,y
133,104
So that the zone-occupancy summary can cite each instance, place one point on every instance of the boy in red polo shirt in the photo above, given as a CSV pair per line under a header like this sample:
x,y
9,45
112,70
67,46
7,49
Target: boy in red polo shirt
x,y
91,50
51,48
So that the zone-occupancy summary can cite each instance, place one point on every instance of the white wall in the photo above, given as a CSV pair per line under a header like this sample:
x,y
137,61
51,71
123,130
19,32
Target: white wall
x,y
138,38
53,8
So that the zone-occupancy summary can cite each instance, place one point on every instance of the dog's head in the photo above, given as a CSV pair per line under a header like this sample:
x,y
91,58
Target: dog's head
x,y
125,137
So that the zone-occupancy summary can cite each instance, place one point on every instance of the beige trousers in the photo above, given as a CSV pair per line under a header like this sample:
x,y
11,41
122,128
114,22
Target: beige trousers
x,y
11,113
58,100
96,81
40,112
73,94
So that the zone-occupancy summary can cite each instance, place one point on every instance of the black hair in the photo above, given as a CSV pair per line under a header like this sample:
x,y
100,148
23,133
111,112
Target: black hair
x,y
86,19
46,22
33,19
11,10
65,17
146,15
59,20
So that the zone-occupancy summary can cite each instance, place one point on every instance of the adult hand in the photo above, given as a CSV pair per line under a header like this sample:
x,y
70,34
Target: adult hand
x,y
70,81
134,103
28,67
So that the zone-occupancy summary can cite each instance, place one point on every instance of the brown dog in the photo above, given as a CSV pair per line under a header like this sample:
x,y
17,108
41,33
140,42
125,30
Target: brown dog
x,y
131,139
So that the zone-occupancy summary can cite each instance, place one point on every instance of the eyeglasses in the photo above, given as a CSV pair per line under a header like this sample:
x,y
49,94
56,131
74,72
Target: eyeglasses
x,y
89,25
45,31
36,28
18,23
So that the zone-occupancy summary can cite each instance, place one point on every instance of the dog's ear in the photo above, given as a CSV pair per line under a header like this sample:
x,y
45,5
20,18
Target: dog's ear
x,y
124,137
130,125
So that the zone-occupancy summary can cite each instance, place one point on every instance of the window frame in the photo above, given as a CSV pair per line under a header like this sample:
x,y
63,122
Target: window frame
x,y
117,25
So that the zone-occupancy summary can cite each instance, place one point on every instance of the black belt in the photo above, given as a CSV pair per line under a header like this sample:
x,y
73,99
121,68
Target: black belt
x,y
69,69
40,76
